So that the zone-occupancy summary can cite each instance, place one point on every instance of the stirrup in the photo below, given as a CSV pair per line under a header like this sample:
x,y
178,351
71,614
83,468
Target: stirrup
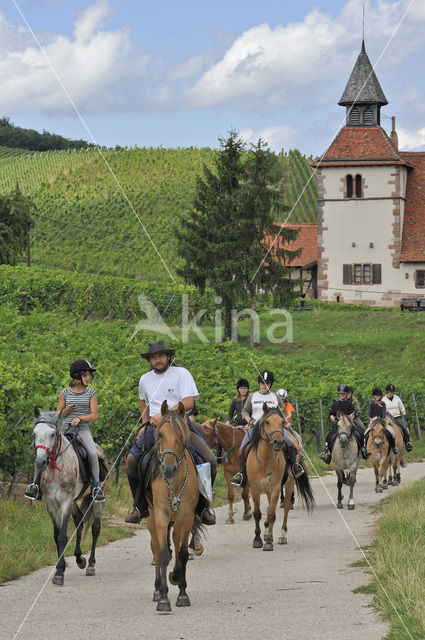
x,y
326,456
408,446
297,470
134,516
208,516
237,479
32,492
98,495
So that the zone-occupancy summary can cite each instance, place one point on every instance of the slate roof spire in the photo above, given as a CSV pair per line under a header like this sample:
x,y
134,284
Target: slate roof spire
x,y
363,96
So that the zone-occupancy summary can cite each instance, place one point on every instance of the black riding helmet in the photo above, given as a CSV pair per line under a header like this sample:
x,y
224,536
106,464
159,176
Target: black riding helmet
x,y
266,376
342,388
390,387
78,366
377,392
242,382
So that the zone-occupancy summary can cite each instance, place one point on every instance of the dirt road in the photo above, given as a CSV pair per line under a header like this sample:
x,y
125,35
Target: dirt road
x,y
303,590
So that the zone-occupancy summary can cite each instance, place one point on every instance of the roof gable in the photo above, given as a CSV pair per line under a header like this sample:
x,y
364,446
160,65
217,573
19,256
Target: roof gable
x,y
306,240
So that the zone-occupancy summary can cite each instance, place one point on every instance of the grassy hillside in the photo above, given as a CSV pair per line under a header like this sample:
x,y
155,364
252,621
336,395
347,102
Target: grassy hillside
x,y
93,212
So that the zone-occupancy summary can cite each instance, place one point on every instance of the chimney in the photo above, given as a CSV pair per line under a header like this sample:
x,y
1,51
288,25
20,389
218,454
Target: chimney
x,y
393,134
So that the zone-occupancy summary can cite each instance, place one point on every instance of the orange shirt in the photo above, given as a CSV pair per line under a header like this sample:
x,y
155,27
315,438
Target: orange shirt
x,y
289,410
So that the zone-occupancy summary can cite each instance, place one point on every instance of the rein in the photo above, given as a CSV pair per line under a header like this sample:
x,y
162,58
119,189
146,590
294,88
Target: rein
x,y
269,470
226,452
53,455
174,499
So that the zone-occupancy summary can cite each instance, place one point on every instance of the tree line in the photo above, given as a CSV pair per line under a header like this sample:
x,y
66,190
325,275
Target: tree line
x,y
14,136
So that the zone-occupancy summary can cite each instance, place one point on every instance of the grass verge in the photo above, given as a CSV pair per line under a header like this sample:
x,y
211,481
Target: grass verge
x,y
398,558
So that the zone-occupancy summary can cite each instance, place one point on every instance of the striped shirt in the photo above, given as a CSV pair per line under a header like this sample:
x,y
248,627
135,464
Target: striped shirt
x,y
82,400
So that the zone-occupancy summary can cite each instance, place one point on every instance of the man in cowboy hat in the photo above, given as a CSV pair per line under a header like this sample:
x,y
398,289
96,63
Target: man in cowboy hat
x,y
173,384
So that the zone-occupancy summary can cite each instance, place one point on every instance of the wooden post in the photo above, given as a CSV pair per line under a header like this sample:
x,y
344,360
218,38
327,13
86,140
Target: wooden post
x,y
298,416
418,426
321,421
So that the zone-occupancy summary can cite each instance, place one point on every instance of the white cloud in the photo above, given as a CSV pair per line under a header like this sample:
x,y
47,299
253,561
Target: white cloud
x,y
278,137
411,140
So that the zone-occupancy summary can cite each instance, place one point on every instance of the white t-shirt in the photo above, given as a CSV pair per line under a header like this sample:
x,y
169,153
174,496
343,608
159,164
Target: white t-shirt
x,y
394,405
257,401
173,385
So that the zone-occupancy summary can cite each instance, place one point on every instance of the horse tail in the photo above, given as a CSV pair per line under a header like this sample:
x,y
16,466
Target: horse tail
x,y
86,510
305,490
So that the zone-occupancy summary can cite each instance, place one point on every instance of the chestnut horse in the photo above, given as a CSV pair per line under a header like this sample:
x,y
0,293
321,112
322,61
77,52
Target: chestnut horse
x,y
175,496
379,447
266,467
394,477
230,439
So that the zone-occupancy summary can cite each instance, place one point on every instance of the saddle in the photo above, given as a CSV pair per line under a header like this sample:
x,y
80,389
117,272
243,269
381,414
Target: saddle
x,y
83,460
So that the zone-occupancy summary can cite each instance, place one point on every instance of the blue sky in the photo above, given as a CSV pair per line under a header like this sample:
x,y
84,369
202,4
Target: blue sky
x,y
183,73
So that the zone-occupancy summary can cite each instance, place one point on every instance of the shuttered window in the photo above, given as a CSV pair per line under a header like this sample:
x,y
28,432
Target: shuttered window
x,y
368,116
355,116
363,274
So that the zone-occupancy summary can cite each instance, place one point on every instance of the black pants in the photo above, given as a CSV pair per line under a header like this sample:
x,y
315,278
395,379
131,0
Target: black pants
x,y
359,431
404,428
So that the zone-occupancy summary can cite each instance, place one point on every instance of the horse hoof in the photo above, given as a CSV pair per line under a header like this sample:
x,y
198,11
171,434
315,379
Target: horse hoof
x,y
172,578
247,516
230,521
339,505
163,606
191,555
268,546
385,487
395,484
183,601
257,544
351,507
90,571
379,490
58,580
156,596
82,563
199,548
282,540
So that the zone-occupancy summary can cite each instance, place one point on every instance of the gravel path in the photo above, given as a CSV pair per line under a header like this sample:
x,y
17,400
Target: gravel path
x,y
303,590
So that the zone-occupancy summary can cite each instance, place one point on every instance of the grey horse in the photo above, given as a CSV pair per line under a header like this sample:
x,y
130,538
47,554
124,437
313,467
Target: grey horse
x,y
345,456
62,485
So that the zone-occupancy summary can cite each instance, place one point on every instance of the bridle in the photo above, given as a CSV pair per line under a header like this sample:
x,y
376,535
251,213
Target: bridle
x,y
57,445
173,498
225,454
268,433
374,423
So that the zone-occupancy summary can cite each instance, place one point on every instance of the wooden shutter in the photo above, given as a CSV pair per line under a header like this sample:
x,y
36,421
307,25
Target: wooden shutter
x,y
347,274
376,274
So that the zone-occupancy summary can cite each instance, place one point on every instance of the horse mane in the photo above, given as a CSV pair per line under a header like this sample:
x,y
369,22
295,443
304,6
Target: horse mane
x,y
47,417
380,421
256,431
178,424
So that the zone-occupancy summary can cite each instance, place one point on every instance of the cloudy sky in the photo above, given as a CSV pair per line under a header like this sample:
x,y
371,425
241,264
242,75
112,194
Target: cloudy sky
x,y
183,72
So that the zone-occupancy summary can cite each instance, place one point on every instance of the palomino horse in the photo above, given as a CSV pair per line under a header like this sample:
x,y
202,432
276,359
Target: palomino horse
x,y
62,486
175,495
266,467
230,439
345,456
394,476
379,447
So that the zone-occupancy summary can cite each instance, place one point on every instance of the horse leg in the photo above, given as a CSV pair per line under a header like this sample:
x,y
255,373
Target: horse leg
x,y
247,514
289,492
271,518
340,498
230,496
164,556
258,543
282,497
77,516
178,575
155,550
351,504
60,534
95,530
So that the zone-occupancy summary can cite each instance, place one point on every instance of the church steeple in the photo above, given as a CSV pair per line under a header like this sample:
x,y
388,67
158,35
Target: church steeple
x,y
363,96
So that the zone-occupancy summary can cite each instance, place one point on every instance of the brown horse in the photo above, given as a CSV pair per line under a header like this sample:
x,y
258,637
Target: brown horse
x,y
230,439
266,469
379,447
175,496
394,477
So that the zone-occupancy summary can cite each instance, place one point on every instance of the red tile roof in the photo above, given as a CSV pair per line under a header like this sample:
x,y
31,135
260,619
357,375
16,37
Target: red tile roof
x,y
413,238
306,240
361,146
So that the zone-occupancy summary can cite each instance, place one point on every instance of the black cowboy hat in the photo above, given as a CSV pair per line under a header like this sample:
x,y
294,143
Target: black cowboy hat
x,y
157,347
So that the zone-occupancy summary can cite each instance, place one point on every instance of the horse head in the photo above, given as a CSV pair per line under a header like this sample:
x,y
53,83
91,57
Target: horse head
x,y
45,433
345,428
377,429
271,425
210,431
171,437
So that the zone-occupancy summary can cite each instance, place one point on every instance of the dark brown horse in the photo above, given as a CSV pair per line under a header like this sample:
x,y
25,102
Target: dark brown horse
x,y
266,469
230,439
175,496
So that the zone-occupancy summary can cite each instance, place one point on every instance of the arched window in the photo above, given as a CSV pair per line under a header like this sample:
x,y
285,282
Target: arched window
x,y
349,186
355,116
368,116
358,186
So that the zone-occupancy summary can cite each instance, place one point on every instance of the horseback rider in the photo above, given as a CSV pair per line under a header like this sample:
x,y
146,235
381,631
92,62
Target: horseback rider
x,y
286,405
377,409
163,382
395,408
344,406
78,404
238,402
252,412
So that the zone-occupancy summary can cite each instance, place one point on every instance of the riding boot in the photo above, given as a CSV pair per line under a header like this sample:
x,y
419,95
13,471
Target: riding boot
x,y
391,441
326,455
33,491
240,479
296,468
407,444
135,514
96,492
